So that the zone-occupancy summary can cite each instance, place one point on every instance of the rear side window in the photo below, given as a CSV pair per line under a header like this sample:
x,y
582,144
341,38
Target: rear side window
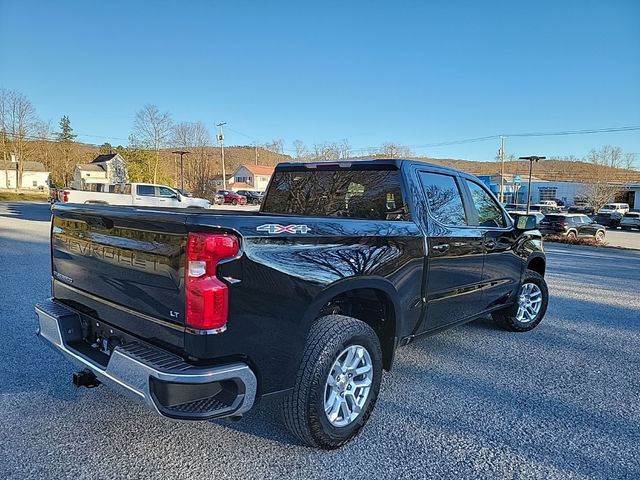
x,y
146,190
364,194
489,212
444,198
555,218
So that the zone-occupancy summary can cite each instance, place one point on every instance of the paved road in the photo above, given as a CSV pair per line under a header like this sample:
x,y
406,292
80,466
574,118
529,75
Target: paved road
x,y
622,238
562,401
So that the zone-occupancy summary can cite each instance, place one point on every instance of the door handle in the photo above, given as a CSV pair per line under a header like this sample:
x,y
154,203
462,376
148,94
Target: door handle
x,y
443,247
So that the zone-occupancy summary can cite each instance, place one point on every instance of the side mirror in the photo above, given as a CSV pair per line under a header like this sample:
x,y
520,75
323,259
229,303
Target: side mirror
x,y
525,222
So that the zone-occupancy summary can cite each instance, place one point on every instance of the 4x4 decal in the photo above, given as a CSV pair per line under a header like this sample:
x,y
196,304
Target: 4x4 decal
x,y
277,228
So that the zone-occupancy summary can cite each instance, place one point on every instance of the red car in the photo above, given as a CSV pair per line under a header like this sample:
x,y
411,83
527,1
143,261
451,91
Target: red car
x,y
232,197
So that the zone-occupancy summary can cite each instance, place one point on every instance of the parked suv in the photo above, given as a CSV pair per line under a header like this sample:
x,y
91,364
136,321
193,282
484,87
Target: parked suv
x,y
630,220
232,197
253,198
572,225
610,208
580,206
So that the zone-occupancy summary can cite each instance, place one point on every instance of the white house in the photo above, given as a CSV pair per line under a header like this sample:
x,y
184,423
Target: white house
x,y
251,177
110,168
34,175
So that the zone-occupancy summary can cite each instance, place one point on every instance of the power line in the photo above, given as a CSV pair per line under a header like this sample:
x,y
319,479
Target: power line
x,y
369,149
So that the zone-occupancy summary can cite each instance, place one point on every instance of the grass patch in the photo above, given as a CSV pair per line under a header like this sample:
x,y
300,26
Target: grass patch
x,y
592,242
6,196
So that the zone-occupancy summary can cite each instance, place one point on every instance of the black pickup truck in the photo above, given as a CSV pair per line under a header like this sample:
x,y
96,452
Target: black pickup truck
x,y
201,314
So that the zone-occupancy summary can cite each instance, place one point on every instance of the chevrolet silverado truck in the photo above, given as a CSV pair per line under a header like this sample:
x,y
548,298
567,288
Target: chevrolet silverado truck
x,y
202,314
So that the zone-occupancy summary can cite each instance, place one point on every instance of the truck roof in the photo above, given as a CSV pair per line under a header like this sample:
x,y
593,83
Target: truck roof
x,y
373,162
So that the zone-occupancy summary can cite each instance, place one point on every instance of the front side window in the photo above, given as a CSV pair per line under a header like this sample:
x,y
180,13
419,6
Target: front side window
x,y
146,190
355,193
489,212
444,198
166,192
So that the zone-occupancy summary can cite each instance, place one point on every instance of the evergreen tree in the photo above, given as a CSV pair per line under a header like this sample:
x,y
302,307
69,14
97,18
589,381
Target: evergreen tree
x,y
65,139
66,131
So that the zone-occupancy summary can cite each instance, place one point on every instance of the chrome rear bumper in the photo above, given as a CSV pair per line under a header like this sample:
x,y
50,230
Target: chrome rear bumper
x,y
159,378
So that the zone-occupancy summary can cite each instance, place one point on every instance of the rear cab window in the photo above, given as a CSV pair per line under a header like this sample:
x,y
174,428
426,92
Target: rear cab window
x,y
146,190
330,191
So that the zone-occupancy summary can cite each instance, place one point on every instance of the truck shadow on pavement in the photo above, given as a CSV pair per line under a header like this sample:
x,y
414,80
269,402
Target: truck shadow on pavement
x,y
545,396
39,212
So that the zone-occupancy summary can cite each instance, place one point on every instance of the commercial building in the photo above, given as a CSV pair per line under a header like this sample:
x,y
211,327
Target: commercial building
x,y
515,190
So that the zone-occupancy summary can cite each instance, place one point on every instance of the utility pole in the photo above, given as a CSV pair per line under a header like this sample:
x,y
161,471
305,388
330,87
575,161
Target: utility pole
x,y
501,154
532,158
256,150
220,138
181,153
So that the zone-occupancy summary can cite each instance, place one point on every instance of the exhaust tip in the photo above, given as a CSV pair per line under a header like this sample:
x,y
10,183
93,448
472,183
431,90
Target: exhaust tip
x,y
85,378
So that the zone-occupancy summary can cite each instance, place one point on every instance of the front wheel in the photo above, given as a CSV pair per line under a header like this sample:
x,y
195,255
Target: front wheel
x,y
530,306
600,236
337,383
234,202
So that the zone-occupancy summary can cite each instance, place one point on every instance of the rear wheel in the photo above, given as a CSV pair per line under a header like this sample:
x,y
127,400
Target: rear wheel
x,y
530,306
337,383
572,235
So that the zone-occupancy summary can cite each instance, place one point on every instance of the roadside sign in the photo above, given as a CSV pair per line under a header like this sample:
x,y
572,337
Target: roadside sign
x,y
516,180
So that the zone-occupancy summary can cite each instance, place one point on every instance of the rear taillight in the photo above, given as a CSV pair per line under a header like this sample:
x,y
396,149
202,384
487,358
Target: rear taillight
x,y
207,297
65,196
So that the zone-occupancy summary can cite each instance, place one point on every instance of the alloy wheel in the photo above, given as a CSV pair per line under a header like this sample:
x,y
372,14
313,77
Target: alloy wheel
x,y
529,303
348,385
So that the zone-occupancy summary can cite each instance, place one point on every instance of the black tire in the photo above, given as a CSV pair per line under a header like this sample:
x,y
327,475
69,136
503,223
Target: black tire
x,y
303,407
600,236
234,202
572,235
507,318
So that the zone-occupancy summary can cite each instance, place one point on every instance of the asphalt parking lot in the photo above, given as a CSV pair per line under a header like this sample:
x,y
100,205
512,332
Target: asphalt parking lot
x,y
562,401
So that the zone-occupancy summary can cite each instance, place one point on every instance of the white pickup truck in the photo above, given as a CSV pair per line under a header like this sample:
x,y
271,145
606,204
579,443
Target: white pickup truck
x,y
138,194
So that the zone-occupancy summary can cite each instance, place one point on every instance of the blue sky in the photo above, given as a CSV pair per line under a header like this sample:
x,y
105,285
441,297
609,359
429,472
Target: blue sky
x,y
411,72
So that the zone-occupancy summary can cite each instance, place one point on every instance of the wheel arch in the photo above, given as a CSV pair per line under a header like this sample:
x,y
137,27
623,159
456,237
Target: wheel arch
x,y
371,300
538,264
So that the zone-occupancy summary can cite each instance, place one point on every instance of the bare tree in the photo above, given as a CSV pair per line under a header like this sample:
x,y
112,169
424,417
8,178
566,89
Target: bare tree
x,y
344,149
326,152
18,122
198,167
154,130
275,146
601,189
395,150
301,149
45,147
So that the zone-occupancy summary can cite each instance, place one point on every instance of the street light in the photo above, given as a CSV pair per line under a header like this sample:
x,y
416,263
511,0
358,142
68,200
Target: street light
x,y
181,153
532,158
220,138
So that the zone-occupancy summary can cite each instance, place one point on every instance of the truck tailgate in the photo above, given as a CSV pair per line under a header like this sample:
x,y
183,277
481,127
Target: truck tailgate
x,y
136,262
